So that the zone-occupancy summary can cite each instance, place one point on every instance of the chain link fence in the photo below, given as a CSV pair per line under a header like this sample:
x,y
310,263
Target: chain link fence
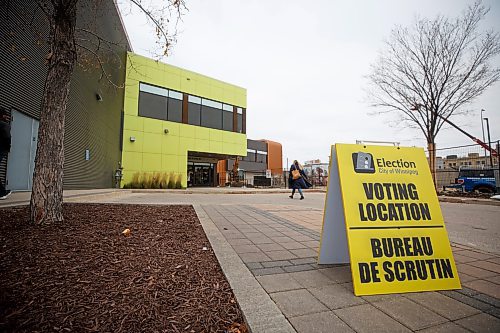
x,y
450,160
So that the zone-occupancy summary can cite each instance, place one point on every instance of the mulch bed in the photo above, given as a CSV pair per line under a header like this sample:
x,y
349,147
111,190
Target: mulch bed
x,y
84,275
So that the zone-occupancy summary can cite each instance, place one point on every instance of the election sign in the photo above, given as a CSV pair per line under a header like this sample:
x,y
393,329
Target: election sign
x,y
391,219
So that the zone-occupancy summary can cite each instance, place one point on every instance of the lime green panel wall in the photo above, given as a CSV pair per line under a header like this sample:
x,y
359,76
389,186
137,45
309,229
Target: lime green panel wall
x,y
162,146
143,69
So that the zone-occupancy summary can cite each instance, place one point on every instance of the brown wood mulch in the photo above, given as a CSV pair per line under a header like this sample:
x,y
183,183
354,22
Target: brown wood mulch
x,y
84,275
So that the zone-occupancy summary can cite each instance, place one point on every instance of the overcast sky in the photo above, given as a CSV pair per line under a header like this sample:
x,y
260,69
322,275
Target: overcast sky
x,y
304,64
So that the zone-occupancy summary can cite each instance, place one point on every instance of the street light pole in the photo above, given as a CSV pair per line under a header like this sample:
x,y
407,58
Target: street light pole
x,y
482,128
489,139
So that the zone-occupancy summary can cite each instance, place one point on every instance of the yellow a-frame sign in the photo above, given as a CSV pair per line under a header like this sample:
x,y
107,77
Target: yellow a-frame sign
x,y
381,205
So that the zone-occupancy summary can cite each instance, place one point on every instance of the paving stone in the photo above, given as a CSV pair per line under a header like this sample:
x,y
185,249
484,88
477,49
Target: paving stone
x,y
469,300
338,274
292,245
233,235
460,259
335,296
298,268
302,261
495,260
254,257
254,265
302,238
312,244
297,302
445,328
474,271
494,279
488,299
476,255
466,278
245,248
282,239
494,312
267,271
480,323
367,318
380,298
443,305
467,291
254,235
262,240
237,241
311,279
409,313
486,287
278,282
277,263
270,247
280,255
486,265
323,322
304,253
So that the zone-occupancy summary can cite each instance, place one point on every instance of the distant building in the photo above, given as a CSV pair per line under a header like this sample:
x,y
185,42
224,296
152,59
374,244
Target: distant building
x,y
262,166
317,172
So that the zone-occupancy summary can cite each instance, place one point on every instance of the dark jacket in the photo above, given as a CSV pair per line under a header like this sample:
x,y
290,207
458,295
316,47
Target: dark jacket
x,y
300,182
4,137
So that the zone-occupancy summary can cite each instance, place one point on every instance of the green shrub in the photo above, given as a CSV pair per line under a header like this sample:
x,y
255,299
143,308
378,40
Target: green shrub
x,y
164,180
155,180
178,181
171,180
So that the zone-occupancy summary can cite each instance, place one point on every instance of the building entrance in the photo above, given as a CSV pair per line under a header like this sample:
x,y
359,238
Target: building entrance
x,y
201,174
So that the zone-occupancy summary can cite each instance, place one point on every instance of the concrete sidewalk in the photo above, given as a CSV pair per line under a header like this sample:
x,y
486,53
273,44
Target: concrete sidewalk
x,y
279,245
268,253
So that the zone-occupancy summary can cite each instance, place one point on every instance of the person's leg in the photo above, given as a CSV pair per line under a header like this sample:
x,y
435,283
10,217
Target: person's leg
x,y
301,195
293,192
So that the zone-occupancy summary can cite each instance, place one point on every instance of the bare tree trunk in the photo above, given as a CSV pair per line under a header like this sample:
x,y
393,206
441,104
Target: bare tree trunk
x,y
47,193
431,147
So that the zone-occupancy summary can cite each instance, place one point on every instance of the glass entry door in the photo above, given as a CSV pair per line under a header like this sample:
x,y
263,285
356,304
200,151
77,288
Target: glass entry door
x,y
201,174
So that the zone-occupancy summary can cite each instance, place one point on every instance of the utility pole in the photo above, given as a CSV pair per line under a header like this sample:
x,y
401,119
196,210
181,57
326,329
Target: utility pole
x,y
482,128
489,140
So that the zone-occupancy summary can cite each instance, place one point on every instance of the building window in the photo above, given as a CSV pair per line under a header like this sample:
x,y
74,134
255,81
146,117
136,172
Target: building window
x,y
152,106
174,106
240,120
160,103
261,156
251,156
211,114
194,110
227,117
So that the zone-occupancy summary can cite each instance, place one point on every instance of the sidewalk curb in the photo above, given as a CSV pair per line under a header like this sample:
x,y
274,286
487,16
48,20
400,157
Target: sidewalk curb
x,y
472,201
260,312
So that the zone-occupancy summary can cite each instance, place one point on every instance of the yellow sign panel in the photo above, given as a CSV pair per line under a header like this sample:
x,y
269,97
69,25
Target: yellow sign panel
x,y
395,230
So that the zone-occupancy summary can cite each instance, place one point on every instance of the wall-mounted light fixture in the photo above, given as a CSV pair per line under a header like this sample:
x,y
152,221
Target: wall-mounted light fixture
x,y
98,97
132,139
165,131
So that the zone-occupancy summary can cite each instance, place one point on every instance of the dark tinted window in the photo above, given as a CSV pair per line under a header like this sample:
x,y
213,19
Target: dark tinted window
x,y
152,106
240,123
211,117
174,110
250,156
261,158
227,120
194,111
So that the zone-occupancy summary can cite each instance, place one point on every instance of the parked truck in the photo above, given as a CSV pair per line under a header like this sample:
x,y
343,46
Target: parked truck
x,y
477,180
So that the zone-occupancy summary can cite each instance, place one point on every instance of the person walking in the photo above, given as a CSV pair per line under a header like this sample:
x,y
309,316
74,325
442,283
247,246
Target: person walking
x,y
4,146
297,179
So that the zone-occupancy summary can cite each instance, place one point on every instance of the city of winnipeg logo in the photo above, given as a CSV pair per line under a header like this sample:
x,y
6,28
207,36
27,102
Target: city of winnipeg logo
x,y
363,162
